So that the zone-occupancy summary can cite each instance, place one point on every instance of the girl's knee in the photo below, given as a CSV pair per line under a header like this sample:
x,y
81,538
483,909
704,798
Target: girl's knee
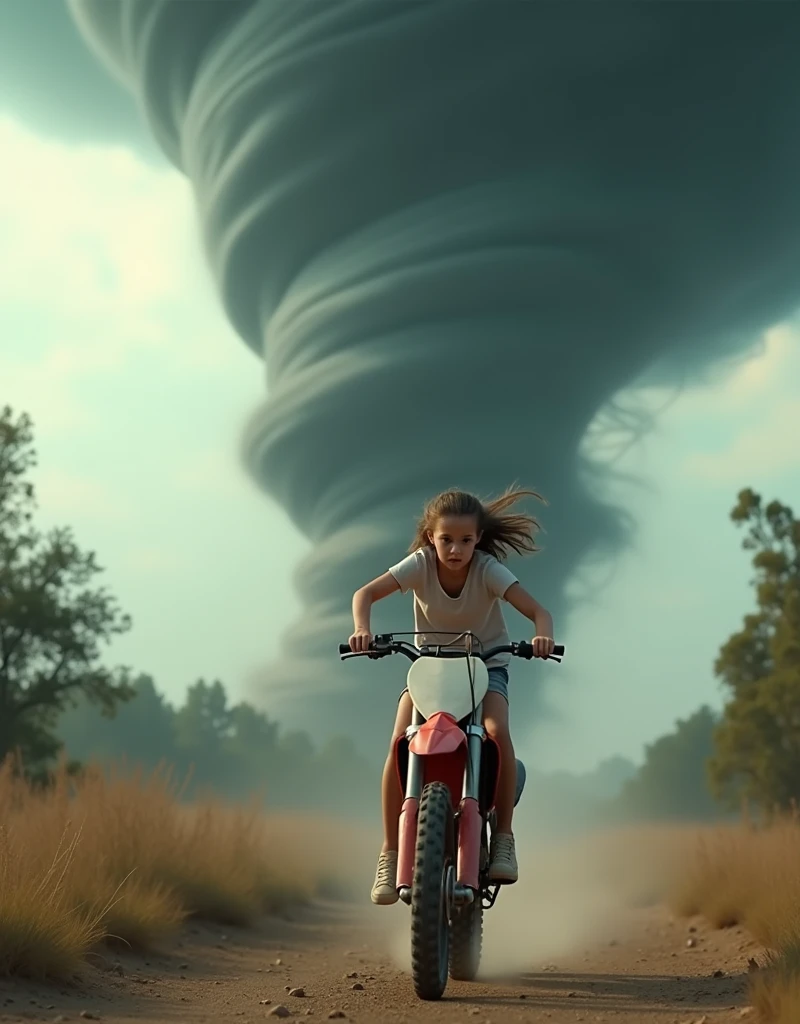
x,y
402,721
495,718
497,730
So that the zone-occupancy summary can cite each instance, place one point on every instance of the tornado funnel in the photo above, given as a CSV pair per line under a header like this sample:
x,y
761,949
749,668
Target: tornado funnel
x,y
454,231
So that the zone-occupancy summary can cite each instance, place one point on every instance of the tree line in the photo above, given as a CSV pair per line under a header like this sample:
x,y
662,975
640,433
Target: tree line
x,y
234,750
59,699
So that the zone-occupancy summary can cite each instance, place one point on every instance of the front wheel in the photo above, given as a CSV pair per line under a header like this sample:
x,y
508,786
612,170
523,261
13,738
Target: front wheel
x,y
431,892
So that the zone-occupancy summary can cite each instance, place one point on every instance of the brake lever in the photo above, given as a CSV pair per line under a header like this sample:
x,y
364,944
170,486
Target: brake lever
x,y
374,655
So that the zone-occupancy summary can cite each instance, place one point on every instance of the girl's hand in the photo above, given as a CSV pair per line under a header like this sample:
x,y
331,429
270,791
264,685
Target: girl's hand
x,y
543,646
360,640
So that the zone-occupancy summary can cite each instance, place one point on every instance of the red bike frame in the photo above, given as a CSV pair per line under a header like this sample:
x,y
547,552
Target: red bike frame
x,y
440,750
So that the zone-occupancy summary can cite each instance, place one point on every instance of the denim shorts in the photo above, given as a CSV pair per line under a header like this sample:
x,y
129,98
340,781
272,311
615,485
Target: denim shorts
x,y
498,682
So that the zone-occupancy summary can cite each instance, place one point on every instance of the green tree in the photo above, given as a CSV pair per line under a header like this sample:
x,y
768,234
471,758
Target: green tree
x,y
252,743
202,727
52,620
672,782
142,730
204,721
608,778
251,732
757,742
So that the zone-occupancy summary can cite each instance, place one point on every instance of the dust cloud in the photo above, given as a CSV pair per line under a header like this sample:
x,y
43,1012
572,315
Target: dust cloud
x,y
571,896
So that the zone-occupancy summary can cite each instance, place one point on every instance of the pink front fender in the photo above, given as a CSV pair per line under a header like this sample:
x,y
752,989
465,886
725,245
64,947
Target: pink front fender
x,y
439,735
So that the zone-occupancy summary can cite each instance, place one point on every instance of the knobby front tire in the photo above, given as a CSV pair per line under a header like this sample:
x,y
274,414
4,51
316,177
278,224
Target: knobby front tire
x,y
430,931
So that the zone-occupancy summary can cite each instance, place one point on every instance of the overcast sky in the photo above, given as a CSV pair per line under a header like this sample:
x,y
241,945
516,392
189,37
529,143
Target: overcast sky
x,y
113,340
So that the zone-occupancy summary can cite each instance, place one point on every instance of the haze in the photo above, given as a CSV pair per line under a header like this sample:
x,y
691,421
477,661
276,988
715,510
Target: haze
x,y
114,340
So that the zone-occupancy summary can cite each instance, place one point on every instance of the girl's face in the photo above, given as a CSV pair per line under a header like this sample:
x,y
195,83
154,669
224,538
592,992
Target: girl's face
x,y
454,538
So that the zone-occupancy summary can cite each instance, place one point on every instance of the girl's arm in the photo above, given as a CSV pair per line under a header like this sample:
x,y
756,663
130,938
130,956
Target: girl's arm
x,y
528,606
363,600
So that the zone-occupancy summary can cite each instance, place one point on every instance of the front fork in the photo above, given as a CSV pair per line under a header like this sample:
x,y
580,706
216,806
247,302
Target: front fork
x,y
468,816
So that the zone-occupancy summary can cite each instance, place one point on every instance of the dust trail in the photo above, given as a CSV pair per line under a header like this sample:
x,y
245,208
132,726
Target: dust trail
x,y
571,896
557,908
554,910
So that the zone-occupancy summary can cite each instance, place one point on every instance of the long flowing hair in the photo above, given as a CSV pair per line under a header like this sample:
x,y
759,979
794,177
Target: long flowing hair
x,y
502,531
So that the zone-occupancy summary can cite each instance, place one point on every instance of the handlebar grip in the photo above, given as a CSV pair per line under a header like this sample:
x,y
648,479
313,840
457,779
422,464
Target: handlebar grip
x,y
525,650
344,648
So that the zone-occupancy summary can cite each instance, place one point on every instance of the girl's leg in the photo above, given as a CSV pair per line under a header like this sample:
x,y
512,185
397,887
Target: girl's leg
x,y
503,861
384,890
391,794
495,721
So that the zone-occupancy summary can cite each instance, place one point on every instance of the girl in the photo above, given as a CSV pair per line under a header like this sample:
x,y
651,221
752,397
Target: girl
x,y
456,573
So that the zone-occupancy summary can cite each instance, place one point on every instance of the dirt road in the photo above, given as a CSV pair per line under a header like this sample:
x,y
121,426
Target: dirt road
x,y
349,961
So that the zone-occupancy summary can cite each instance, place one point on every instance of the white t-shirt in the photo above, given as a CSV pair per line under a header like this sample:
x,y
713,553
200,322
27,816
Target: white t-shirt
x,y
477,607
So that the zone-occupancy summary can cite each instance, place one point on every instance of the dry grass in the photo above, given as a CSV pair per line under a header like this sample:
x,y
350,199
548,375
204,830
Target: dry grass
x,y
641,864
41,933
120,859
751,876
731,875
714,881
775,992
744,875
736,874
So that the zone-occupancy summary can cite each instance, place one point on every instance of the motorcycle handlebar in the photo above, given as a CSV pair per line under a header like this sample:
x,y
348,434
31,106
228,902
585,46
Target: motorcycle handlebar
x,y
382,646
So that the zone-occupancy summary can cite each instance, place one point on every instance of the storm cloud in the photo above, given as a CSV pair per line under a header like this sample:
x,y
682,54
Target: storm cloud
x,y
455,231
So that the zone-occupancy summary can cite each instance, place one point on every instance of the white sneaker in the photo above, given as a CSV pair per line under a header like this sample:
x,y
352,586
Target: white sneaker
x,y
503,859
384,891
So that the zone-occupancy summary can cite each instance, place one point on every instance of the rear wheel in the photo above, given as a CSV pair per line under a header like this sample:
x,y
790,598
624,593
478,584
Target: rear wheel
x,y
466,933
466,941
431,892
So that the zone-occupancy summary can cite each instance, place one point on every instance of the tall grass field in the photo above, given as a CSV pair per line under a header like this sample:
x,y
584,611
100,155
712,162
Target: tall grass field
x,y
119,858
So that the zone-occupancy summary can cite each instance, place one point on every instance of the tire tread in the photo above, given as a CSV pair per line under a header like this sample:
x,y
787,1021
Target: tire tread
x,y
434,846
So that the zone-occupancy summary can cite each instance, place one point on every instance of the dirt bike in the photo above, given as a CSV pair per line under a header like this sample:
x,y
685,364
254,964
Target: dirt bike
x,y
448,769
